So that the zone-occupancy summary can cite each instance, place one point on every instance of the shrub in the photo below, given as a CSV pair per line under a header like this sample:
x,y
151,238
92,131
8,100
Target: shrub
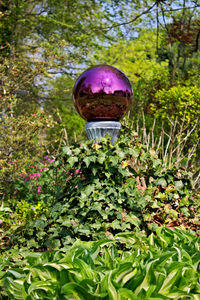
x,y
102,190
21,140
180,107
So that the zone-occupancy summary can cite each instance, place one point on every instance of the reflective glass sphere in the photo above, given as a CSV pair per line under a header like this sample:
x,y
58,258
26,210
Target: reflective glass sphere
x,y
102,93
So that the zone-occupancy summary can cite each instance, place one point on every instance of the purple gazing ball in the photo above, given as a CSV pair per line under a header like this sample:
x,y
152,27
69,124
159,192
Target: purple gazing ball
x,y
102,93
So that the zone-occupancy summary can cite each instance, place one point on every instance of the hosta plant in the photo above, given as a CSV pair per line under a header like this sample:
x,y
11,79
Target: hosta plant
x,y
161,266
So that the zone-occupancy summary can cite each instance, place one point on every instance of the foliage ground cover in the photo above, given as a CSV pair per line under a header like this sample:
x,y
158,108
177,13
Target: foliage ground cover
x,y
96,190
164,265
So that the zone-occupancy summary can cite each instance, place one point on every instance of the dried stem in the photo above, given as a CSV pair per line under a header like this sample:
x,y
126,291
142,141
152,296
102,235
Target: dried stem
x,y
174,146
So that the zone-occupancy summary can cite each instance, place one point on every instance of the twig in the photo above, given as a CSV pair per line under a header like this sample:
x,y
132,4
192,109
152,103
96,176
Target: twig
x,y
197,179
133,20
144,129
152,133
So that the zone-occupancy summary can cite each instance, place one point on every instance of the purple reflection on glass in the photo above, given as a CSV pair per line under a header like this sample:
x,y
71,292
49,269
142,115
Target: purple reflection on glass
x,y
102,93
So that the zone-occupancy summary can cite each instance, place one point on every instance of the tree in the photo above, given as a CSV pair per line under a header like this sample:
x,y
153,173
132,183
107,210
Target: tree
x,y
46,38
59,103
182,40
138,59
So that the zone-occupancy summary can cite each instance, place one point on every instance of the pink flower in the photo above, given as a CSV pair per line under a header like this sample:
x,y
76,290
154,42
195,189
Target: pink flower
x,y
39,189
77,171
37,175
25,180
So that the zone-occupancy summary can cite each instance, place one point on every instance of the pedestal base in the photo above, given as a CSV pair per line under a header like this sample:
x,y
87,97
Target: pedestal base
x,y
97,130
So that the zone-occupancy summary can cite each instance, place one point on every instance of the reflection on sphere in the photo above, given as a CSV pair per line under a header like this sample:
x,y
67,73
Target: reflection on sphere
x,y
102,93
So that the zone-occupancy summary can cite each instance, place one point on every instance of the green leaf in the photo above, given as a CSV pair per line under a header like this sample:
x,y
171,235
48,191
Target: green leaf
x,y
72,160
89,159
124,273
46,286
169,281
162,182
114,160
179,185
135,151
146,283
67,150
17,273
112,292
14,287
101,158
124,172
127,294
75,289
89,189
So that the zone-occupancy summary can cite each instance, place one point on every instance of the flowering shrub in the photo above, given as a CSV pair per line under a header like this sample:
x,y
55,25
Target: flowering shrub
x,y
40,182
21,140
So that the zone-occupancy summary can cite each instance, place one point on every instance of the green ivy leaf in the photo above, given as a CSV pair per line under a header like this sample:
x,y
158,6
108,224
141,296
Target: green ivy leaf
x,y
72,160
114,160
67,150
89,159
135,151
101,158
161,181
179,185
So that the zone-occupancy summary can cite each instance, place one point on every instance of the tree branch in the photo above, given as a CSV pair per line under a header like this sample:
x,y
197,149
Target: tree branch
x,y
180,8
134,19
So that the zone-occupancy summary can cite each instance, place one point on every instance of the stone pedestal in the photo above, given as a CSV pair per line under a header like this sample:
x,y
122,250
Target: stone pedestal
x,y
97,130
